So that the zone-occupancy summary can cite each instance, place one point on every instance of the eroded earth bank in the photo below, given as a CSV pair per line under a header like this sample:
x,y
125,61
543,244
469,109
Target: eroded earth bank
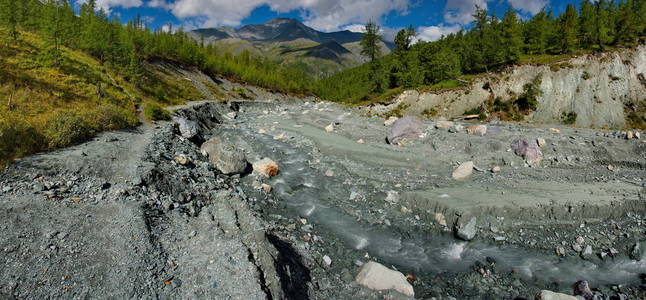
x,y
298,200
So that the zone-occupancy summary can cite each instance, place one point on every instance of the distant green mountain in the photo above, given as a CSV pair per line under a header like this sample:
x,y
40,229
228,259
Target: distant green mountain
x,y
292,43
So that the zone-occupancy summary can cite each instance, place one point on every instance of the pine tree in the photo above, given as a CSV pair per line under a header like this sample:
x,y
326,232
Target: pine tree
x,y
9,16
568,22
627,23
512,37
370,49
587,25
537,32
604,24
370,41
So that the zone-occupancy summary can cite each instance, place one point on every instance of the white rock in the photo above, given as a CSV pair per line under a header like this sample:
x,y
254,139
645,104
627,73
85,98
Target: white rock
x,y
360,141
261,131
440,219
549,295
555,130
629,135
280,136
480,130
496,169
265,187
329,128
541,142
463,171
391,121
392,197
329,173
611,167
638,135
376,276
327,260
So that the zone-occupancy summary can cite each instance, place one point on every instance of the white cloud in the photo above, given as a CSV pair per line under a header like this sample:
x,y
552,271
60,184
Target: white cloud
x,y
529,6
461,11
107,4
355,28
326,15
387,33
434,33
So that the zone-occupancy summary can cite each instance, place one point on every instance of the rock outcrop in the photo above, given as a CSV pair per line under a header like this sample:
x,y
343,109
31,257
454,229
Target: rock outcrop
x,y
596,87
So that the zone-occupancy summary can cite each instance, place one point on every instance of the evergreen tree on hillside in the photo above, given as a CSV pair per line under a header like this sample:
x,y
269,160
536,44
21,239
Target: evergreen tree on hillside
x,y
627,25
401,67
568,30
604,24
9,16
537,32
587,25
370,41
512,36
370,49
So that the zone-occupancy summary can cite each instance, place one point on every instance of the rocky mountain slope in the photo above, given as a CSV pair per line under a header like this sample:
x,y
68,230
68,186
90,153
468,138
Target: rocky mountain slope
x,y
289,40
606,90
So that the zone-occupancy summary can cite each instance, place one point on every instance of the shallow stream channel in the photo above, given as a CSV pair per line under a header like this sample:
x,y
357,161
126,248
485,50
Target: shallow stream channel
x,y
359,212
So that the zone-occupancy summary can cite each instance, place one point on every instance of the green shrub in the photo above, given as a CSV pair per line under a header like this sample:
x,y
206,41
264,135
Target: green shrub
x,y
527,101
586,75
68,127
18,138
112,117
569,118
154,112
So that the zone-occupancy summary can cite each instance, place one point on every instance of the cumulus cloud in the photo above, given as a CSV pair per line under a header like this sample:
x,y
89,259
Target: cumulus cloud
x,y
461,11
529,6
324,15
434,33
107,4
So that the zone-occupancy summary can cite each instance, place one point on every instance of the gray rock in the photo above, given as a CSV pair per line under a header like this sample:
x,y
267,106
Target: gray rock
x,y
187,128
636,252
582,288
530,151
404,129
466,231
225,156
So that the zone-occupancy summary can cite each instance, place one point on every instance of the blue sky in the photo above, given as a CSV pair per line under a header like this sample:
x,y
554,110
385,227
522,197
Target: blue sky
x,y
431,18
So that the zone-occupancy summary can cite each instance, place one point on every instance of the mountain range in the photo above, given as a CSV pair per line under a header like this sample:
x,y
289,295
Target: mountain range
x,y
292,43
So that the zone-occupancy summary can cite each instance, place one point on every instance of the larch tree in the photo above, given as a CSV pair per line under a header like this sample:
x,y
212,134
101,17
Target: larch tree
x,y
512,36
568,30
370,49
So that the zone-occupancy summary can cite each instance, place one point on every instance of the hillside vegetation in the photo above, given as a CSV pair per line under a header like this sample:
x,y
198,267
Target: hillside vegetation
x,y
490,44
65,77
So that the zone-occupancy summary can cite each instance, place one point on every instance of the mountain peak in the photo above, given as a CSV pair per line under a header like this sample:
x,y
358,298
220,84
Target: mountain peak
x,y
281,21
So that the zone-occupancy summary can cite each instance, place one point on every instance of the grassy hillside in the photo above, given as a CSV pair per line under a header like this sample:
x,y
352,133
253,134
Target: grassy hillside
x,y
45,106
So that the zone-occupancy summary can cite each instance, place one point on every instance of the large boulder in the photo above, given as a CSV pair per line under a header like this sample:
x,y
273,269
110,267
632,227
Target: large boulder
x,y
549,295
467,231
480,130
404,129
187,128
376,276
225,156
463,171
530,151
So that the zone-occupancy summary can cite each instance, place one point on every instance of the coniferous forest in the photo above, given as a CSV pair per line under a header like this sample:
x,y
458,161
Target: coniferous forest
x,y
490,44
125,47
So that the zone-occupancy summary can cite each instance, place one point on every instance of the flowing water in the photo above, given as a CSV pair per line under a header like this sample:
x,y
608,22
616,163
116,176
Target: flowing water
x,y
308,193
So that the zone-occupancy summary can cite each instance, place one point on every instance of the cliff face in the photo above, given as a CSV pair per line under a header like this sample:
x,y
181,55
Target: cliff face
x,y
599,88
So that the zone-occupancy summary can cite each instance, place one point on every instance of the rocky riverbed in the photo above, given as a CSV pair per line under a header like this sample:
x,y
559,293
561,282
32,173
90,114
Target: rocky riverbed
x,y
305,200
